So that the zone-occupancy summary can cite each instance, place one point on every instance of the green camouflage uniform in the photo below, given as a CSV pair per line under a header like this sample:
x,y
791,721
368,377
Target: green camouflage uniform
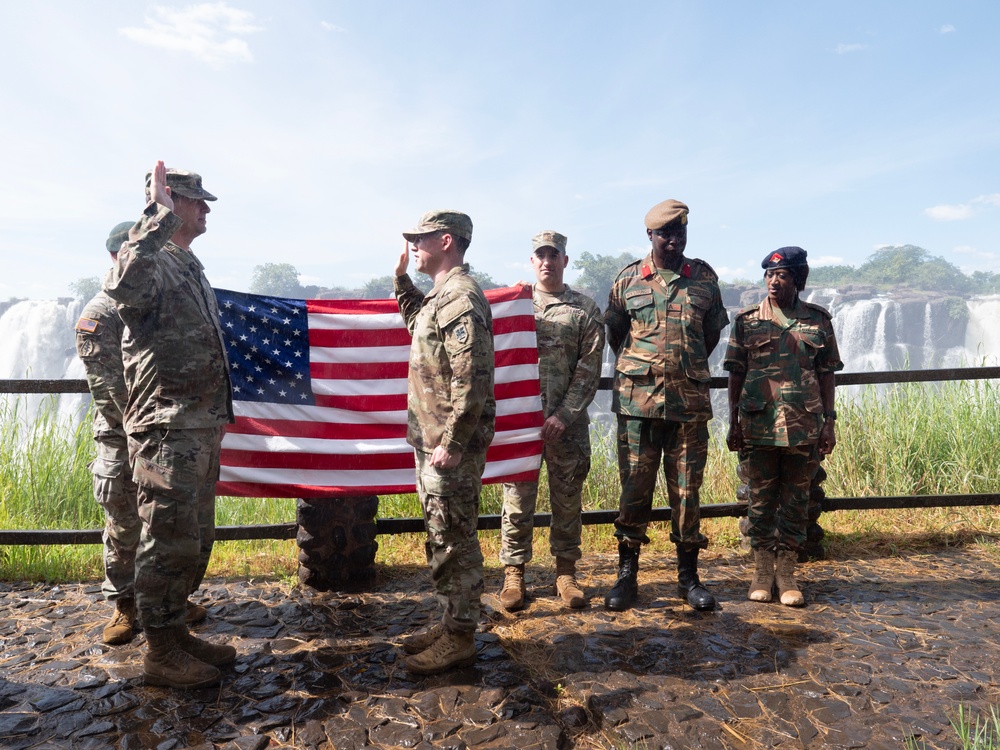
x,y
781,414
657,327
179,401
450,403
570,336
99,346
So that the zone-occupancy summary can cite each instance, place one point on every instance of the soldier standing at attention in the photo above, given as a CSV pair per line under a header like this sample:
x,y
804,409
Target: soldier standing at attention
x,y
781,360
570,335
99,346
664,318
451,414
179,401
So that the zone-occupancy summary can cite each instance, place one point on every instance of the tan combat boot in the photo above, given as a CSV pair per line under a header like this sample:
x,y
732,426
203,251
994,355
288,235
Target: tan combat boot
x,y
450,651
423,639
210,653
512,593
167,664
566,586
121,626
763,576
788,589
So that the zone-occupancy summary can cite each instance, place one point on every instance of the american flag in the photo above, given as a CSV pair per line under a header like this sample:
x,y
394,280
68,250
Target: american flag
x,y
319,390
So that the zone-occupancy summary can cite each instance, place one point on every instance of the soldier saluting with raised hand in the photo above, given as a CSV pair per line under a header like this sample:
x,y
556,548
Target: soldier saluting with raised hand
x,y
664,318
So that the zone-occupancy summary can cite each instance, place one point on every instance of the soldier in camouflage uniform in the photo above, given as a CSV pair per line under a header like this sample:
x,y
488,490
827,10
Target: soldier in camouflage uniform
x,y
570,334
664,318
451,415
179,401
99,346
781,360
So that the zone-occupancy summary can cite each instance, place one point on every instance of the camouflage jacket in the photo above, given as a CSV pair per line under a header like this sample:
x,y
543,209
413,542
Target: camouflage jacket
x,y
782,360
99,346
570,335
450,396
657,329
175,358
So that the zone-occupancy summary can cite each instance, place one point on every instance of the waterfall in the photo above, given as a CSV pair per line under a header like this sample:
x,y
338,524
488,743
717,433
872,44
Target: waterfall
x,y
37,342
982,333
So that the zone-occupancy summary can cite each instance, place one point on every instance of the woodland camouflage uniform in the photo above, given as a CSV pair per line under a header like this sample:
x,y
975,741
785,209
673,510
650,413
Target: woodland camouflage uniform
x,y
450,403
657,324
570,335
781,413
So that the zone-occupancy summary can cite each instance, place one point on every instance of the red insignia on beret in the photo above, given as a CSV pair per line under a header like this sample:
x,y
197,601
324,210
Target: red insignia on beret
x,y
776,258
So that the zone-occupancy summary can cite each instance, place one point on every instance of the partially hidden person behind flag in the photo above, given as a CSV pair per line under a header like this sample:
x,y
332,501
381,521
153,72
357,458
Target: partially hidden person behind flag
x,y
570,335
99,346
451,419
782,359
179,402
664,317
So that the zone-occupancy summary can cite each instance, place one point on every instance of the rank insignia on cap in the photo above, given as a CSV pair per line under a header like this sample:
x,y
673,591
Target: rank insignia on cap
x,y
776,258
87,325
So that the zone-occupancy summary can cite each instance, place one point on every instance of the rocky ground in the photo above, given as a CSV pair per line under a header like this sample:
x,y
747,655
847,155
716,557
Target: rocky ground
x,y
884,654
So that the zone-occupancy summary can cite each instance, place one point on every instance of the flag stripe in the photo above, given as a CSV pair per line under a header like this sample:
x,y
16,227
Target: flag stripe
x,y
320,396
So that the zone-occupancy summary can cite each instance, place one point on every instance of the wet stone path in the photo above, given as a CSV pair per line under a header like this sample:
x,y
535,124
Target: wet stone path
x,y
884,653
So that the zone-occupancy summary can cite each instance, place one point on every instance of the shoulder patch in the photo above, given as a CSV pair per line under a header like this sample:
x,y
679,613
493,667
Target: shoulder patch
x,y
704,269
87,325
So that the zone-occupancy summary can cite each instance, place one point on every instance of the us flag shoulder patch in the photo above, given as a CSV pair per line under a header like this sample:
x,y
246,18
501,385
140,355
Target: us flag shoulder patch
x,y
87,325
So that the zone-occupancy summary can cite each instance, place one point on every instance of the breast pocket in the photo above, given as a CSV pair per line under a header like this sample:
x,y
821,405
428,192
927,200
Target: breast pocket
x,y
641,307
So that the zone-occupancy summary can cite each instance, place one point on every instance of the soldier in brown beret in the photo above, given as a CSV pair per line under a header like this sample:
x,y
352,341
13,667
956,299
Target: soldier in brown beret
x,y
664,318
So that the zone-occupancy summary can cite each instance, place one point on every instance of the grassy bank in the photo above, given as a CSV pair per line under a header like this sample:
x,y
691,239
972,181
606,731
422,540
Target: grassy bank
x,y
906,440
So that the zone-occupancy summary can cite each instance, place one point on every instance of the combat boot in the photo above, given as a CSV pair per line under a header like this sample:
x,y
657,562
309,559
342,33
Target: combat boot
x,y
194,613
688,584
763,576
122,625
567,587
512,593
450,651
218,655
784,575
167,664
626,589
423,639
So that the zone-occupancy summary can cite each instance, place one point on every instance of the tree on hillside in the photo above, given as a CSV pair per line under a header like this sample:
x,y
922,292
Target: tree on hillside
x,y
599,272
832,276
909,265
484,280
85,288
276,279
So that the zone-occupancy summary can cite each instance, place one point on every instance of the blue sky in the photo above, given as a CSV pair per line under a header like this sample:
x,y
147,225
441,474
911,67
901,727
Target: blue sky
x,y
327,128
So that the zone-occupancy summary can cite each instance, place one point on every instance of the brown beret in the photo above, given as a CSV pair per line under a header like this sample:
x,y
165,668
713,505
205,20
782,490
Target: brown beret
x,y
666,213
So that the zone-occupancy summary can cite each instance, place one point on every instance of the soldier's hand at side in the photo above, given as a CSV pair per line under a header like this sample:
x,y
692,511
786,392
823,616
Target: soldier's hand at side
x,y
404,260
553,429
158,190
734,440
827,438
442,458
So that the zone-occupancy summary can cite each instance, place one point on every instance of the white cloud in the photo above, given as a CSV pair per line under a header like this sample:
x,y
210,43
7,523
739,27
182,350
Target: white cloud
x,y
210,31
947,29
332,27
843,49
827,260
963,211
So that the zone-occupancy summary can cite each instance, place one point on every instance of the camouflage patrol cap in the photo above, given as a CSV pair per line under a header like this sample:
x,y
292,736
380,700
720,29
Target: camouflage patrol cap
x,y
666,213
118,235
548,238
442,220
785,257
185,183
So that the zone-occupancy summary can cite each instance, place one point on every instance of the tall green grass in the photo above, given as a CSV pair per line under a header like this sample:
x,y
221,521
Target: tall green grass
x,y
908,439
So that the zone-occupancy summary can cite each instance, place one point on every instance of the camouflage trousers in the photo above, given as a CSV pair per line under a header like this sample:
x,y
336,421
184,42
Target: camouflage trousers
x,y
778,483
176,472
683,447
450,501
115,492
567,463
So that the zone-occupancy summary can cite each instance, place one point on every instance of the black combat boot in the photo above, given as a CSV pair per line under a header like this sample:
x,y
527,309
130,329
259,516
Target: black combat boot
x,y
623,594
688,585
